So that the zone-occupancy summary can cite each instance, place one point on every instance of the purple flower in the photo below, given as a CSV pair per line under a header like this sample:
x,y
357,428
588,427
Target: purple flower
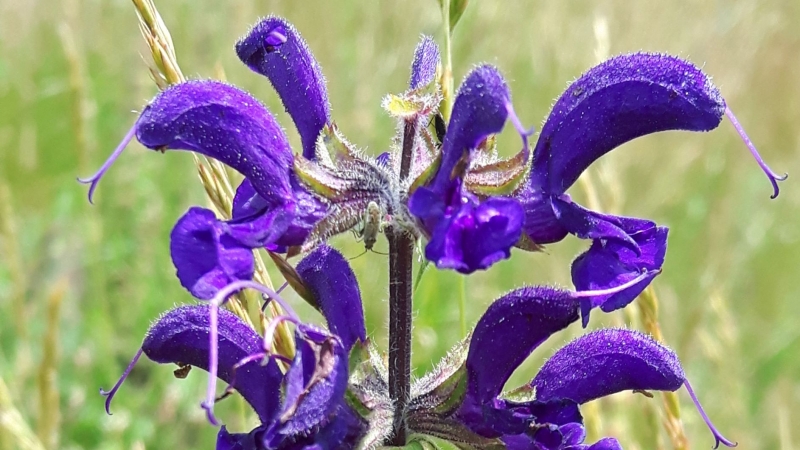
x,y
544,414
472,206
286,202
335,392
312,410
476,207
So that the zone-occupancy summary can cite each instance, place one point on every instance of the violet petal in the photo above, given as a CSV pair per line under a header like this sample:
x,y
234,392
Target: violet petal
x,y
426,60
246,201
181,336
224,123
206,258
541,224
331,281
605,362
315,383
586,224
480,109
473,236
609,264
512,327
619,100
275,49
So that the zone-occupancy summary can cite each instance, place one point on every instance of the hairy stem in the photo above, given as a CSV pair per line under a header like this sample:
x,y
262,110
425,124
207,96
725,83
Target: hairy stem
x,y
401,253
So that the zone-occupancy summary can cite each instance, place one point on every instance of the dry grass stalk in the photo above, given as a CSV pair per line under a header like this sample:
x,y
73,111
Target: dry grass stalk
x,y
13,426
82,106
648,308
49,406
647,301
13,260
212,174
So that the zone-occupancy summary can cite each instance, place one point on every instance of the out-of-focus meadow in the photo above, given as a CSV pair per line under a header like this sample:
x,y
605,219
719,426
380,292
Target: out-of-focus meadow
x,y
79,284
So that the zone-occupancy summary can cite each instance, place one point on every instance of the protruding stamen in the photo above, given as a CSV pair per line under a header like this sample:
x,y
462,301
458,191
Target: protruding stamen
x,y
717,435
616,289
110,394
218,300
523,132
269,333
773,176
95,179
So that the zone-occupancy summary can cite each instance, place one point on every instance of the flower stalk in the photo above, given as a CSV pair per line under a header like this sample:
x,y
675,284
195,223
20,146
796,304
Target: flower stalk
x,y
401,263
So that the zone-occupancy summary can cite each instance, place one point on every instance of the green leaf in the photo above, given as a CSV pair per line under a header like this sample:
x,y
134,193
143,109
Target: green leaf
x,y
457,8
421,271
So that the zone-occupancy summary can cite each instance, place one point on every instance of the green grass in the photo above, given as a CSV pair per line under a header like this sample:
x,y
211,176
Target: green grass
x,y
728,293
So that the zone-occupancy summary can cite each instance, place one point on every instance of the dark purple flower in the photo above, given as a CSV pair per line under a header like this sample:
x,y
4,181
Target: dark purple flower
x,y
621,99
544,414
467,233
313,410
472,206
285,201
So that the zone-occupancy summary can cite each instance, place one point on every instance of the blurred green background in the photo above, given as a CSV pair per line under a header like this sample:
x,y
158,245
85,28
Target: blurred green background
x,y
79,284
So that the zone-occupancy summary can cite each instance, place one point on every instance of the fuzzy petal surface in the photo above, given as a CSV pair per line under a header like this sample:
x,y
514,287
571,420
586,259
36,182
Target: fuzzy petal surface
x,y
275,49
426,60
471,235
608,264
315,383
605,362
224,123
512,327
480,109
181,336
623,98
205,256
333,284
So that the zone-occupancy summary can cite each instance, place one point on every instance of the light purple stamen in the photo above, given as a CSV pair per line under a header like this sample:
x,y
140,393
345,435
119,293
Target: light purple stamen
x,y
280,289
110,394
218,300
269,333
717,435
616,289
276,37
773,177
523,132
95,179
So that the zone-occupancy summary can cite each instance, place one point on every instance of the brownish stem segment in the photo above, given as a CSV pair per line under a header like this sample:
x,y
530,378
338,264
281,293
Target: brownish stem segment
x,y
401,254
401,251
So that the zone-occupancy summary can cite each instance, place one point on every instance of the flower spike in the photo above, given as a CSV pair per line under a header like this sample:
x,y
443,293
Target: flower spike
x,y
94,180
717,435
772,175
109,395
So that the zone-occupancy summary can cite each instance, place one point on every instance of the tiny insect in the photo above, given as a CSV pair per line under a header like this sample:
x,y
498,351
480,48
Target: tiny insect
x,y
182,371
371,224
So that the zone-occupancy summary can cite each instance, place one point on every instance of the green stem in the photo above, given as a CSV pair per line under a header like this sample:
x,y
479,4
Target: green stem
x,y
447,73
462,305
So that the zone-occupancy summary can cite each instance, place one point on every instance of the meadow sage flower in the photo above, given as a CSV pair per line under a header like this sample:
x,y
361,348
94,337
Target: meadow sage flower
x,y
335,389
471,205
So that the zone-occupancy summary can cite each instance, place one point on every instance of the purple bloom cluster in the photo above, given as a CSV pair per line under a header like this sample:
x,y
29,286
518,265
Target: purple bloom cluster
x,y
452,190
460,401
